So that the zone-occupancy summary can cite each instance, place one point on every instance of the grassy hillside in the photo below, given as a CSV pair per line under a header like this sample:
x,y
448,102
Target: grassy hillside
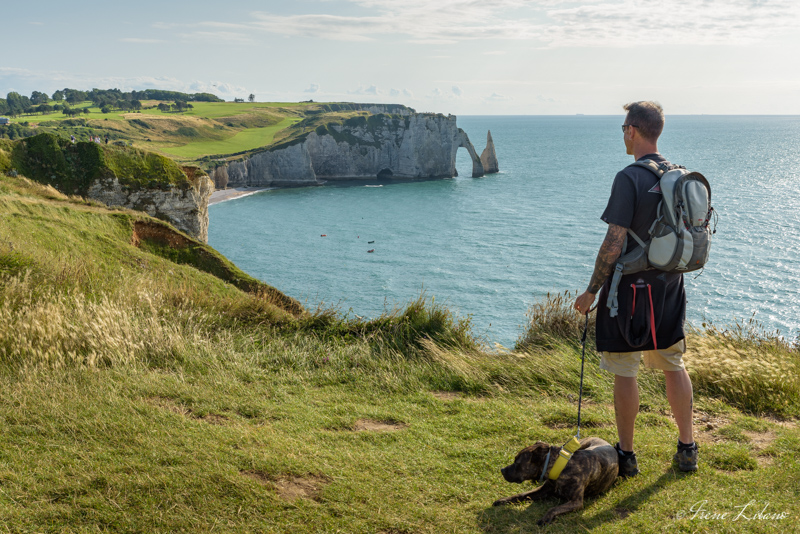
x,y
148,385
202,135
72,168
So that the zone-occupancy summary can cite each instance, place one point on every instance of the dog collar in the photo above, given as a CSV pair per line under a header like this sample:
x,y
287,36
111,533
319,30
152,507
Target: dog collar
x,y
563,457
546,463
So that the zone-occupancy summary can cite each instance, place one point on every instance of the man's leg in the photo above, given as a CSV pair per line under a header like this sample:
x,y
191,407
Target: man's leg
x,y
679,395
626,407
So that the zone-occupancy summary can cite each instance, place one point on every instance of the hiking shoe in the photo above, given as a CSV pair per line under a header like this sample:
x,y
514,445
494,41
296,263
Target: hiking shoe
x,y
628,467
686,459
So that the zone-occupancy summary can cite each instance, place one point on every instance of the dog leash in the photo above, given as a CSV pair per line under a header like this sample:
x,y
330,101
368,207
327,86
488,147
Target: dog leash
x,y
574,444
583,359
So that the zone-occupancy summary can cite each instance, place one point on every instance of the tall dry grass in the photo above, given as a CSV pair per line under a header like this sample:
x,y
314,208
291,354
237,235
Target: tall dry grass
x,y
43,325
747,366
744,365
552,321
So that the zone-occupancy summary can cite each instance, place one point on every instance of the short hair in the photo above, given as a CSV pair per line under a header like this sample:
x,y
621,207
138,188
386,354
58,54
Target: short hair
x,y
647,116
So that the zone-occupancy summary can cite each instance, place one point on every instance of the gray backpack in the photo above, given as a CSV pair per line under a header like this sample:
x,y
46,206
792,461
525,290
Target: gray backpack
x,y
680,237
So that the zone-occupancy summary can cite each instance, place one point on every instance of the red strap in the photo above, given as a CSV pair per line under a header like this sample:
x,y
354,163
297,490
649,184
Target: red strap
x,y
633,306
652,318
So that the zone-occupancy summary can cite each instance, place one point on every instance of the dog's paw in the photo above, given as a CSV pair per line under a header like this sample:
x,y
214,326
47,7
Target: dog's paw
x,y
546,520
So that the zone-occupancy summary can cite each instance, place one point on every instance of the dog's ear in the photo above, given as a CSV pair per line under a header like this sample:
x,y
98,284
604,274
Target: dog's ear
x,y
540,450
535,453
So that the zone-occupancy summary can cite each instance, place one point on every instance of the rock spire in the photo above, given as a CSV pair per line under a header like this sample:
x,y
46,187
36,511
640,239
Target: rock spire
x,y
488,156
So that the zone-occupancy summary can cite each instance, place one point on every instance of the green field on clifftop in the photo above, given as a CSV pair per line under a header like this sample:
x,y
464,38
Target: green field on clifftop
x,y
203,135
247,139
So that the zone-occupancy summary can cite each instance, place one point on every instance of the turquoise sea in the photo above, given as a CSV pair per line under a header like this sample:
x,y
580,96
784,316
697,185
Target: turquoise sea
x,y
489,247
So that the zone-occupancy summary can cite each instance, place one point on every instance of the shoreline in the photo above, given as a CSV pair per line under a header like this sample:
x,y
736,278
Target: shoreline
x,y
223,195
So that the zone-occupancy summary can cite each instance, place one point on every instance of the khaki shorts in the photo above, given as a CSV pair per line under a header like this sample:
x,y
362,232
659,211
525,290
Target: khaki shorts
x,y
627,363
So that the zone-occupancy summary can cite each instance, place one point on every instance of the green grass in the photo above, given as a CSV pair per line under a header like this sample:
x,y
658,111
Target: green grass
x,y
210,110
72,168
215,110
248,139
142,390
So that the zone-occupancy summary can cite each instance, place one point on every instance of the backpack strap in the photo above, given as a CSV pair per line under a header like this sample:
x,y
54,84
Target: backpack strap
x,y
651,166
613,291
637,239
656,168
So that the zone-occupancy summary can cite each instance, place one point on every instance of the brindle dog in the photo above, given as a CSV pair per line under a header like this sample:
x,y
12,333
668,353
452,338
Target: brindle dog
x,y
592,470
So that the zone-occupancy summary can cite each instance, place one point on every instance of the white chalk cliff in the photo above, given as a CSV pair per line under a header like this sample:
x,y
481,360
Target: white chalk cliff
x,y
415,146
186,209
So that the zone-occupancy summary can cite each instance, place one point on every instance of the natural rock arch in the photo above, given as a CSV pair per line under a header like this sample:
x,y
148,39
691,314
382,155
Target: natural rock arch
x,y
463,141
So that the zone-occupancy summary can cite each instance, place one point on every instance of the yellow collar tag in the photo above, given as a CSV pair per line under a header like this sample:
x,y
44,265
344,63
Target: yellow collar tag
x,y
563,457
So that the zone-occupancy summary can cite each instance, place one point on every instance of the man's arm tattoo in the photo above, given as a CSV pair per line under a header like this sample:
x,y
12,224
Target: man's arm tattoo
x,y
610,251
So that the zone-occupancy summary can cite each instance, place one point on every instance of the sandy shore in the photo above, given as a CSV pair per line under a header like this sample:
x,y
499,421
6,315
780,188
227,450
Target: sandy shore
x,y
222,195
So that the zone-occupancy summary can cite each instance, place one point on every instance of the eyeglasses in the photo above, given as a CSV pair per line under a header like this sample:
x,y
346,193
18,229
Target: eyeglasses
x,y
626,125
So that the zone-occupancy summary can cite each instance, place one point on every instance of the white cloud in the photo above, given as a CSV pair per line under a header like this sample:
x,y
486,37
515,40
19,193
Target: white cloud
x,y
398,92
371,90
497,97
313,88
615,22
552,23
225,90
453,94
336,27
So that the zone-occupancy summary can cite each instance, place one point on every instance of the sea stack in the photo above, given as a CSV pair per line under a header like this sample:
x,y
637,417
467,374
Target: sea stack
x,y
488,156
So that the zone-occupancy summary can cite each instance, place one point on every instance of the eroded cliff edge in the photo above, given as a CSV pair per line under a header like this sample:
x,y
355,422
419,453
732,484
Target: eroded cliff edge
x,y
186,208
116,176
381,146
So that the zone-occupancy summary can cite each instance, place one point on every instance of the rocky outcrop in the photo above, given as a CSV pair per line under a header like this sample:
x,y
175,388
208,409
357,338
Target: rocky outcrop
x,y
290,166
185,208
488,156
120,176
421,145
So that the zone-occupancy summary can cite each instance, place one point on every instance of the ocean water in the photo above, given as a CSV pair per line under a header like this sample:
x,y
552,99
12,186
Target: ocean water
x,y
490,247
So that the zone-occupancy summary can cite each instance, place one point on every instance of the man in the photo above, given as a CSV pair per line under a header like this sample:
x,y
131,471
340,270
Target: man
x,y
652,304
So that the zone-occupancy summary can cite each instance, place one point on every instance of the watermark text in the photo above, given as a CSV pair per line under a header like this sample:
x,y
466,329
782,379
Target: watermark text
x,y
751,511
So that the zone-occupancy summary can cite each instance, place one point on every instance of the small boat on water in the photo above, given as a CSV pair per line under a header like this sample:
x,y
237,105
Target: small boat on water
x,y
371,250
373,186
323,235
369,242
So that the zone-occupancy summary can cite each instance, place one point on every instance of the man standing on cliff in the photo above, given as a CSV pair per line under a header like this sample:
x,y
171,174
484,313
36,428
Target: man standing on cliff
x,y
633,205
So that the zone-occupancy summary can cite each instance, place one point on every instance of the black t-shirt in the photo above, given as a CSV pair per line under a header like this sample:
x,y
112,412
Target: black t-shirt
x,y
633,204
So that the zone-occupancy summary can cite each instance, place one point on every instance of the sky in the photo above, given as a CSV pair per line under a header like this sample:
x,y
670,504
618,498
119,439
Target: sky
x,y
465,57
